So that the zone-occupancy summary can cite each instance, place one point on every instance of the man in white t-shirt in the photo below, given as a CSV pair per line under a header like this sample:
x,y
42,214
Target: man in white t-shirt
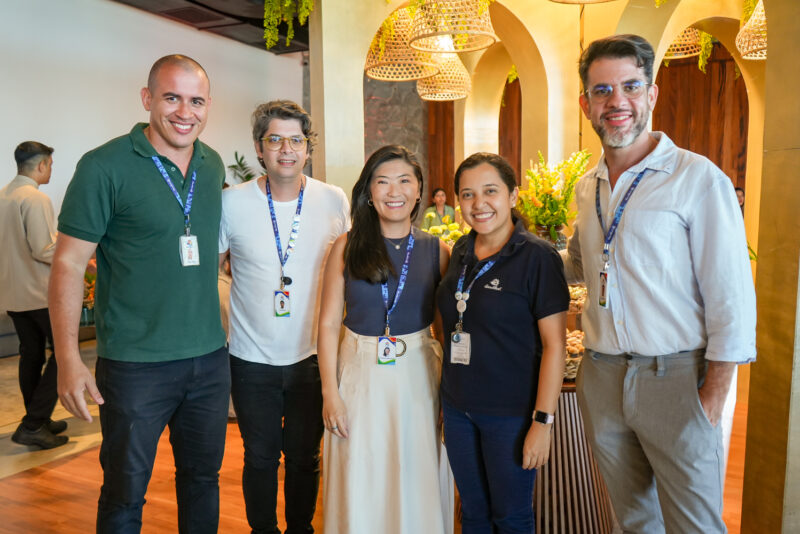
x,y
279,230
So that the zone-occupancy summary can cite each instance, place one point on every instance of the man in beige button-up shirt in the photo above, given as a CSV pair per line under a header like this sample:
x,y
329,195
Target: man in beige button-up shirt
x,y
27,243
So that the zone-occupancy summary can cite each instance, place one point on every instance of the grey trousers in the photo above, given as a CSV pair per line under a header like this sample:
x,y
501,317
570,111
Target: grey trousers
x,y
661,458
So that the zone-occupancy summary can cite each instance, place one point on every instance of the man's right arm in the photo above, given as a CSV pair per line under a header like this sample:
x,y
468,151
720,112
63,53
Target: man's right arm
x,y
65,298
571,256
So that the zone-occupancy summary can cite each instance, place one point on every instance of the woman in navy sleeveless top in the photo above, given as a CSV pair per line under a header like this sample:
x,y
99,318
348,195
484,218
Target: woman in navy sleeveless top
x,y
380,385
503,304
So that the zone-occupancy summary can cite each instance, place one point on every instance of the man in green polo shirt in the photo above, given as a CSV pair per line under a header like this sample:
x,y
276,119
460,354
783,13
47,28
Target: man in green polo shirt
x,y
149,204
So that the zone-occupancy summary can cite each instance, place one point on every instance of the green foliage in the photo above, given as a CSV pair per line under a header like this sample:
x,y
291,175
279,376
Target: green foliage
x,y
551,190
512,74
240,170
706,47
277,11
659,3
385,34
753,255
748,6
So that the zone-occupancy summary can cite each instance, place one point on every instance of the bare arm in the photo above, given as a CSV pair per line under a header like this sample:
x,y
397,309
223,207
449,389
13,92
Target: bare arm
x,y
552,329
334,412
65,298
715,389
444,261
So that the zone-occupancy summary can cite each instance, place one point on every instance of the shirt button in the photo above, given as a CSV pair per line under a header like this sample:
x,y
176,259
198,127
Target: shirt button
x,y
619,322
173,169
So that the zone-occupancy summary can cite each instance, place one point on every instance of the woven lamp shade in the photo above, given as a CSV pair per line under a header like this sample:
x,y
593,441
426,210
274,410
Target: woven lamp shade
x,y
752,38
399,62
451,83
452,26
686,45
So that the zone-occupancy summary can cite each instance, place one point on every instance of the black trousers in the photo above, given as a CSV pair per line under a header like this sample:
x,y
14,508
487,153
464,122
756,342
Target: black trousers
x,y
279,408
37,373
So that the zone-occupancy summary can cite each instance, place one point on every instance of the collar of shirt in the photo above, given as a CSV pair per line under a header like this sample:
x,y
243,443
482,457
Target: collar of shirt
x,y
26,180
142,146
662,158
514,242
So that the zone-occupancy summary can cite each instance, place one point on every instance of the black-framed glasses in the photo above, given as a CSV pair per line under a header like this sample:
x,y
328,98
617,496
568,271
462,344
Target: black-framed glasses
x,y
275,142
630,89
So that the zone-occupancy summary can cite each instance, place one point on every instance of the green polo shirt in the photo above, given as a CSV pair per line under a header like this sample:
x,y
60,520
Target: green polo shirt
x,y
148,307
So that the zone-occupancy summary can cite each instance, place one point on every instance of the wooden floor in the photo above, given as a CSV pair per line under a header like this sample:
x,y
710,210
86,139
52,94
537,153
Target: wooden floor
x,y
61,497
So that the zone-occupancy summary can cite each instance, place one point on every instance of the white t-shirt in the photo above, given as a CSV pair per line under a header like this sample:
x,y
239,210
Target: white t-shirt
x,y
256,334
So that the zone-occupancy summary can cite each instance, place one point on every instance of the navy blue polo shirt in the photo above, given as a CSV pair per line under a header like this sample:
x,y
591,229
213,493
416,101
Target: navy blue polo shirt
x,y
525,284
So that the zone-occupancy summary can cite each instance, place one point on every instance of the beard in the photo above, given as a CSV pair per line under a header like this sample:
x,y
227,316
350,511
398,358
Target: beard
x,y
617,138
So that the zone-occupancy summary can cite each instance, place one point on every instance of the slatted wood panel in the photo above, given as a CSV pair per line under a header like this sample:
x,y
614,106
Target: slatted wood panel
x,y
570,496
510,126
706,113
441,155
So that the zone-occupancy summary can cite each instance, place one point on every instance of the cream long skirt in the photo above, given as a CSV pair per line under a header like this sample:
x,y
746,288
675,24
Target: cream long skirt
x,y
390,476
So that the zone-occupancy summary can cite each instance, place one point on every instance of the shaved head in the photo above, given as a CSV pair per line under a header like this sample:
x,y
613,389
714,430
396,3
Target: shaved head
x,y
178,60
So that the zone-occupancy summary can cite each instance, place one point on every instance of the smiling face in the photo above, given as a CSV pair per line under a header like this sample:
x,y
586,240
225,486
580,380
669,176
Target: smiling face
x,y
178,103
620,121
394,191
486,201
285,164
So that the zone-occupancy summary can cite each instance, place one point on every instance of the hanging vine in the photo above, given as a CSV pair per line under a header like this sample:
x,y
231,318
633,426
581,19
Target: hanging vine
x,y
277,11
706,48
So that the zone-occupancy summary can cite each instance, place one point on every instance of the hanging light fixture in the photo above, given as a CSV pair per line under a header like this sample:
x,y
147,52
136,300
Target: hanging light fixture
x,y
687,44
397,62
452,26
752,38
451,83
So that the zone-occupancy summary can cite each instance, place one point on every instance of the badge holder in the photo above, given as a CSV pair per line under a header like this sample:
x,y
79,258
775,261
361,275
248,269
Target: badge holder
x,y
190,253
460,343
603,297
282,303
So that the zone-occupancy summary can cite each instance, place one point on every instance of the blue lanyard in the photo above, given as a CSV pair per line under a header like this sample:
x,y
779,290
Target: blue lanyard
x,y
283,258
187,208
488,265
400,284
612,230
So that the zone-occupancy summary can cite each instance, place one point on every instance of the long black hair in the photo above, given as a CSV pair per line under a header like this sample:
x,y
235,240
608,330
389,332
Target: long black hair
x,y
365,255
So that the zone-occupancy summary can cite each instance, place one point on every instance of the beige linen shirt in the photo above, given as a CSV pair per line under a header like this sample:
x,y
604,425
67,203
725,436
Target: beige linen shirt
x,y
27,244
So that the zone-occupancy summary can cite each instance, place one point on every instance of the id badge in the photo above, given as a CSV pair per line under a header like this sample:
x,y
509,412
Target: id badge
x,y
460,348
603,299
282,303
190,254
387,350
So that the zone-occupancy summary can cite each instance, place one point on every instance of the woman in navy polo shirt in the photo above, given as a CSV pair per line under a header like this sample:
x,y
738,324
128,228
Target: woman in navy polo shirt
x,y
503,304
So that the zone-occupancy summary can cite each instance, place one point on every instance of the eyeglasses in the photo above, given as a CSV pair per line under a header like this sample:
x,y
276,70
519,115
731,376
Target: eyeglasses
x,y
275,142
630,89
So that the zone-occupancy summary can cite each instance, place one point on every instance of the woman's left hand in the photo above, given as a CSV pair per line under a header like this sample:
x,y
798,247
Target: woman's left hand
x,y
536,449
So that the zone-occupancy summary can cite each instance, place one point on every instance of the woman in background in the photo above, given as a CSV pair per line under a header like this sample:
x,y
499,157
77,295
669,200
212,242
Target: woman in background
x,y
503,305
380,387
434,215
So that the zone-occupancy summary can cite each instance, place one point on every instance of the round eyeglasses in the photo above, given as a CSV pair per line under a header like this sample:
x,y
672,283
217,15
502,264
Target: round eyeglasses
x,y
630,89
275,142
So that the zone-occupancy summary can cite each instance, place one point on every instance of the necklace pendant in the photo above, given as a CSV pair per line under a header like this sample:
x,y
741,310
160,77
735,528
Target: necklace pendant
x,y
458,295
397,247
461,306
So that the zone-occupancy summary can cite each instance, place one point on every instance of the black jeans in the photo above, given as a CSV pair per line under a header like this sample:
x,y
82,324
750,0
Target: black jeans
x,y
279,408
141,399
39,388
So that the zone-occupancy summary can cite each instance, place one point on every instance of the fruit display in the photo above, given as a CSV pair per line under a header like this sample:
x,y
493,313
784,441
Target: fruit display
x,y
88,290
574,353
577,296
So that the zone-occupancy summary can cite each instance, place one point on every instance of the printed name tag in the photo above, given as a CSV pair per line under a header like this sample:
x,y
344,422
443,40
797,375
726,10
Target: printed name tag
x,y
460,348
387,350
190,254
603,300
282,303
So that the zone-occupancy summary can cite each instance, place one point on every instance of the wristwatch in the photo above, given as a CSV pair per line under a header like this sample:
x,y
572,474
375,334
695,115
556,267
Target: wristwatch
x,y
543,417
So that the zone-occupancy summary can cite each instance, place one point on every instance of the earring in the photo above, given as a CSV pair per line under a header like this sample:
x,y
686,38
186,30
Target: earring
x,y
261,161
369,202
419,199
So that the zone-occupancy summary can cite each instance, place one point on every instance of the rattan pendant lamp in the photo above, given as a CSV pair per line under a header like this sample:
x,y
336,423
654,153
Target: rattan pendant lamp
x,y
398,62
686,45
580,1
452,26
451,83
752,38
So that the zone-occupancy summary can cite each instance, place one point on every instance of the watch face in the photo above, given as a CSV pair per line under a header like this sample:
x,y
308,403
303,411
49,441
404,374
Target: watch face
x,y
542,417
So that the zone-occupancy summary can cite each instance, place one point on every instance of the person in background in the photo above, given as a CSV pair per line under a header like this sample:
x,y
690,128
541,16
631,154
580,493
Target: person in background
x,y
149,202
28,242
434,215
740,197
503,306
659,241
279,230
380,402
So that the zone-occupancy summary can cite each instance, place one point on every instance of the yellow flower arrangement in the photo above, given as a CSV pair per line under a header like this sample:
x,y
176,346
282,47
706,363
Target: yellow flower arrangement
x,y
449,232
550,190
